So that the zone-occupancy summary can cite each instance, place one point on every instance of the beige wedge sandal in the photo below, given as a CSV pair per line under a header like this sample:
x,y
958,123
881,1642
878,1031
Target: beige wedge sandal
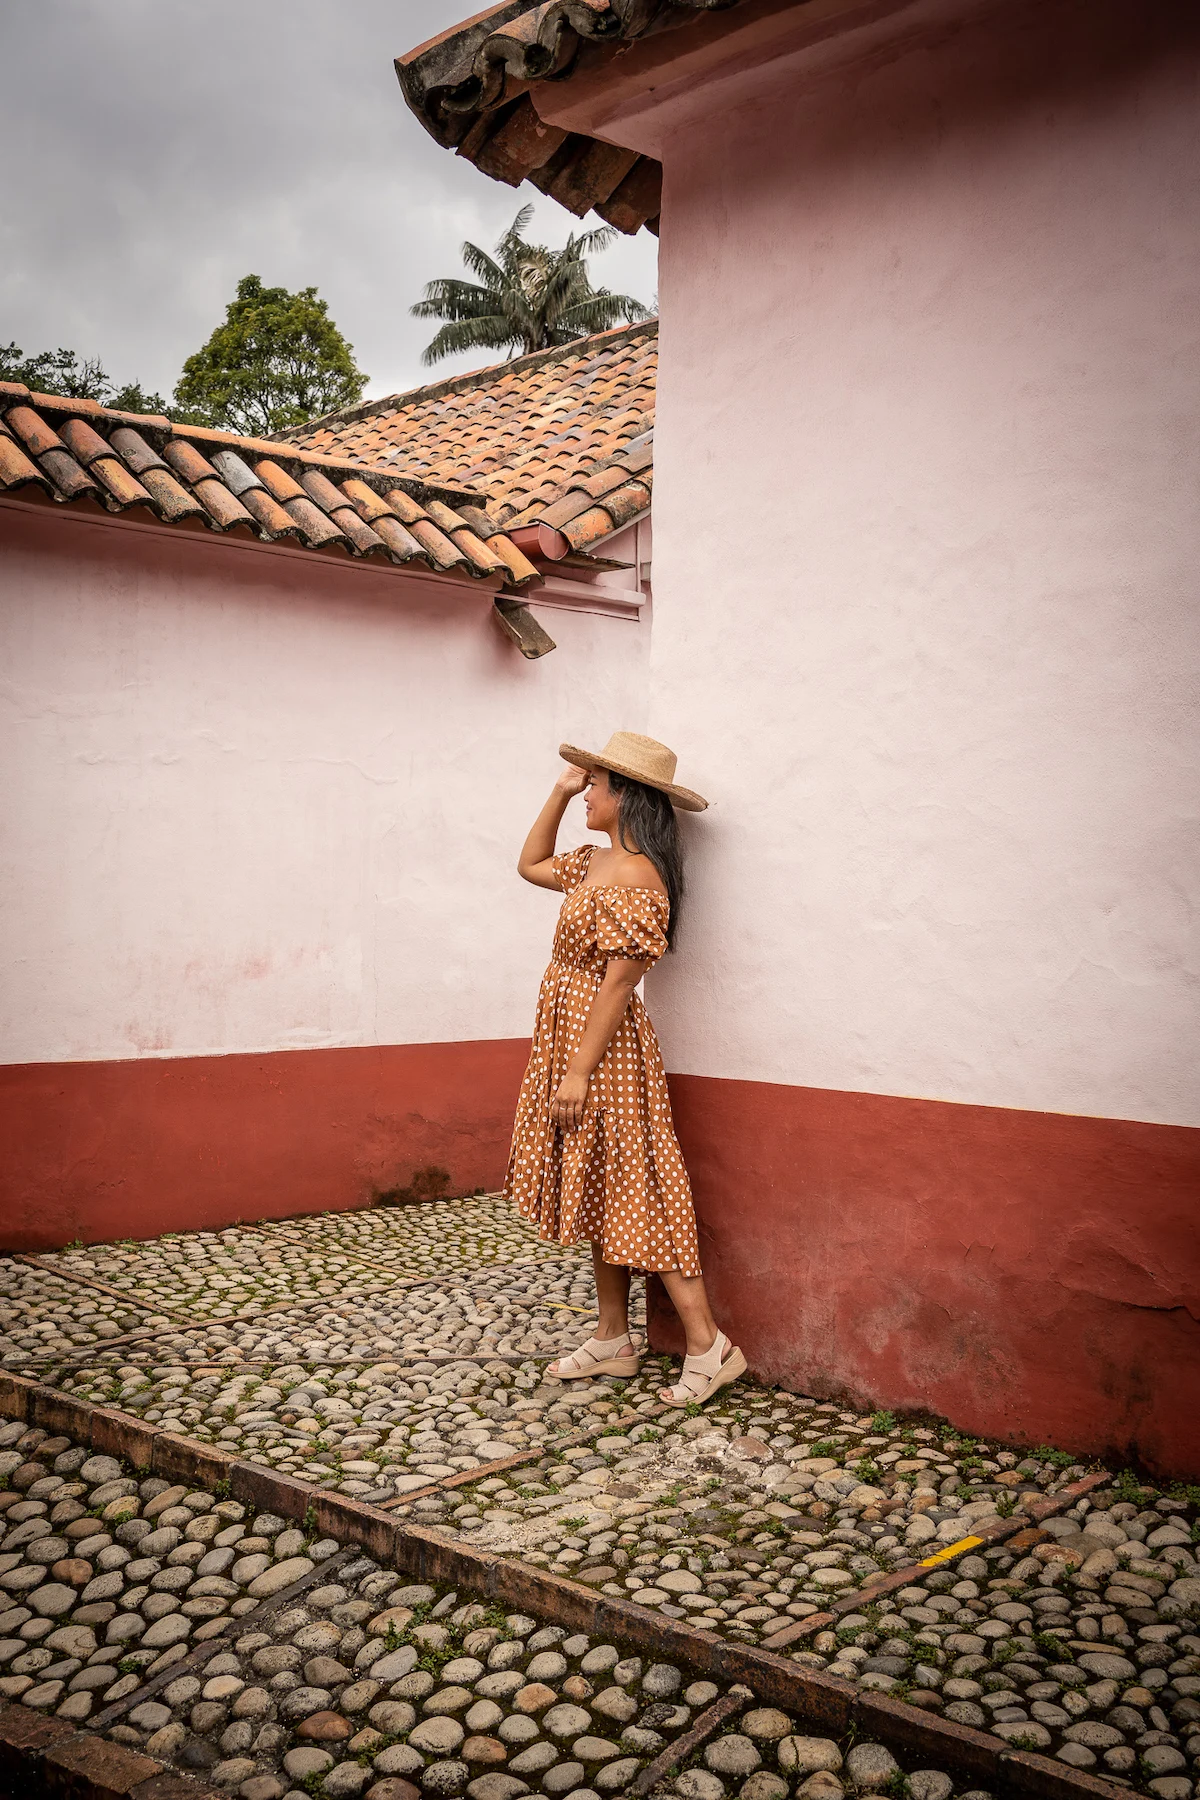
x,y
599,1356
703,1376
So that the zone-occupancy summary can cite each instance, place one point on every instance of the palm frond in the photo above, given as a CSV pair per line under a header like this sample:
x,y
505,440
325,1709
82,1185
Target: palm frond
x,y
493,333
527,296
451,299
490,273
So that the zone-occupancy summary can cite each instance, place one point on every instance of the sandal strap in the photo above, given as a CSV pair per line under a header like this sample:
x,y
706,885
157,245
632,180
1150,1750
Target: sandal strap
x,y
698,1371
608,1348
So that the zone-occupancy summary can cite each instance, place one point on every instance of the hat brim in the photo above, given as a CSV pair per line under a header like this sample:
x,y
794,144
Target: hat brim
x,y
590,759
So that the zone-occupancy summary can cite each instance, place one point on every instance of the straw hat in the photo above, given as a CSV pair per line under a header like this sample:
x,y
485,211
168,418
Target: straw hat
x,y
642,759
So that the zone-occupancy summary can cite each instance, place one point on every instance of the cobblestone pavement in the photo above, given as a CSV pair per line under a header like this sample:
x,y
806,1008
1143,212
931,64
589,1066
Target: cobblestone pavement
x,y
386,1353
342,1677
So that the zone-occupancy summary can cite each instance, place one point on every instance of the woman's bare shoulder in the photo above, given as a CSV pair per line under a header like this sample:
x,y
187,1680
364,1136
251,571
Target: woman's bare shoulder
x,y
624,868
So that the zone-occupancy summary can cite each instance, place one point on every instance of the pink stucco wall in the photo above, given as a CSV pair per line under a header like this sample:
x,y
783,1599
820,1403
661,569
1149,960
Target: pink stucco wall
x,y
926,471
262,803
266,948
944,688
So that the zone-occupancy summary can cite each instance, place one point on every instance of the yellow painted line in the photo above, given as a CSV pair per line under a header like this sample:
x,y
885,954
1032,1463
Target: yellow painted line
x,y
940,1556
561,1306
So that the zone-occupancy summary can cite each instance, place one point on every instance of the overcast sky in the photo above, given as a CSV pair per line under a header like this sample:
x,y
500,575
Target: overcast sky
x,y
160,149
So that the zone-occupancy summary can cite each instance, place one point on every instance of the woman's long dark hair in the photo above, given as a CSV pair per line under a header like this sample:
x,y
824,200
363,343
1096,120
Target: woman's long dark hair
x,y
647,822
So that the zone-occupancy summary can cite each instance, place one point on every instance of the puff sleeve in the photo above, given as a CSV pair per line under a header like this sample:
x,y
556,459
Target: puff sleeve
x,y
631,922
570,867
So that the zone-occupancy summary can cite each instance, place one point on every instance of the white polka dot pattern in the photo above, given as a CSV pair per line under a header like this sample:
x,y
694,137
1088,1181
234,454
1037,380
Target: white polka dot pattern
x,y
620,1178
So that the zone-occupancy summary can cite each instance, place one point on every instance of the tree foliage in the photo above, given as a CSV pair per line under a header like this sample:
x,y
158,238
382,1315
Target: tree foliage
x,y
76,377
277,360
527,297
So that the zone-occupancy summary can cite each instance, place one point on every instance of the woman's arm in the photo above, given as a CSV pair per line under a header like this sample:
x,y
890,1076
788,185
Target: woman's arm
x,y
536,860
608,1009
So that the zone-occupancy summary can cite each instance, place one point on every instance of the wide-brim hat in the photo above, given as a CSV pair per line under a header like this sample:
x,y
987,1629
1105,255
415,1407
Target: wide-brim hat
x,y
642,759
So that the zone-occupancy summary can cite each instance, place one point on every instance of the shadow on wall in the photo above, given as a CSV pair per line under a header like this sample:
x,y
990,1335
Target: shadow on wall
x,y
427,1184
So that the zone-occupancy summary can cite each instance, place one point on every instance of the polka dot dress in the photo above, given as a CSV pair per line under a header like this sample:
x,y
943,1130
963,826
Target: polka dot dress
x,y
619,1179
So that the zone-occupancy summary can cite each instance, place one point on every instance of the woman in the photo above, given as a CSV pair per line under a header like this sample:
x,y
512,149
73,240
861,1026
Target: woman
x,y
594,1152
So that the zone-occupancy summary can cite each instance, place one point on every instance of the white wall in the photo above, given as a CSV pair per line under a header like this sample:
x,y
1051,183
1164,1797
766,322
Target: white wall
x,y
270,802
926,509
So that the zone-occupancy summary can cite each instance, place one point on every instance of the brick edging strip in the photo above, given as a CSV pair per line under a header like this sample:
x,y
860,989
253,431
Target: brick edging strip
x,y
66,1761
818,1699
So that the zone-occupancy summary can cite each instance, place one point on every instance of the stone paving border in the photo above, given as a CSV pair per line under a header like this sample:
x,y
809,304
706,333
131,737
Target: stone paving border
x,y
137,1337
396,1360
1017,1524
819,1700
300,1242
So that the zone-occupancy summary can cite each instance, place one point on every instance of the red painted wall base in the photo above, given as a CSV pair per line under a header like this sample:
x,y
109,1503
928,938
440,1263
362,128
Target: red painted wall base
x,y
1030,1275
103,1150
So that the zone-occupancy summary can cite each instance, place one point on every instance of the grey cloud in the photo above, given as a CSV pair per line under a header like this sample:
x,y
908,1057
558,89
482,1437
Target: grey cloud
x,y
159,149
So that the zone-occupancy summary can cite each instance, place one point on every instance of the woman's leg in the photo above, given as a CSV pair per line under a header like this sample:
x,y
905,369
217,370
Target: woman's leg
x,y
612,1298
689,1297
612,1304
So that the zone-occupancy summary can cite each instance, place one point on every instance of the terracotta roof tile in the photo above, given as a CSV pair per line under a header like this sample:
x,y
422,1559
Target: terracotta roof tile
x,y
317,529
267,514
74,450
550,433
72,482
187,461
471,89
400,541
34,433
16,470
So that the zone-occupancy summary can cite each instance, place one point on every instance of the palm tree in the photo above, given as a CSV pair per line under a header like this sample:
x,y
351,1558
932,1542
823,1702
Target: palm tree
x,y
528,297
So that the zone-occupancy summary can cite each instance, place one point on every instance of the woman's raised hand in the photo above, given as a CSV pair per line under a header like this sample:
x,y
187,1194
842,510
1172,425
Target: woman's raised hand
x,y
572,781
536,862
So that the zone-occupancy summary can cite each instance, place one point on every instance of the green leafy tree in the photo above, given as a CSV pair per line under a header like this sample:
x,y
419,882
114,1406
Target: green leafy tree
x,y
526,297
77,377
278,360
